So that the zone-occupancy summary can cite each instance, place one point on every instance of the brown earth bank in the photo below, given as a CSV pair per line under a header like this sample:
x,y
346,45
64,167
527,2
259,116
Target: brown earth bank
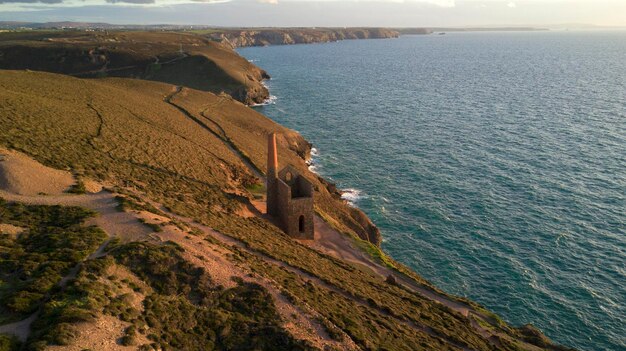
x,y
287,36
177,58
176,253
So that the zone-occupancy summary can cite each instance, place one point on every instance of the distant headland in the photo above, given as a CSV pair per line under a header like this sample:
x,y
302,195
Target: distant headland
x,y
260,36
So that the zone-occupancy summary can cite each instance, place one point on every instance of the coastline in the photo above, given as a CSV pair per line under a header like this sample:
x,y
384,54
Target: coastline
x,y
350,195
313,166
235,129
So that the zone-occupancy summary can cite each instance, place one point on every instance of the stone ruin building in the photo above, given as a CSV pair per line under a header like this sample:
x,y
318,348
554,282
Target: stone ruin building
x,y
289,196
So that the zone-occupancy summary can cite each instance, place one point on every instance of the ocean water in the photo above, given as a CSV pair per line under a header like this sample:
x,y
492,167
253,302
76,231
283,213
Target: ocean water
x,y
493,163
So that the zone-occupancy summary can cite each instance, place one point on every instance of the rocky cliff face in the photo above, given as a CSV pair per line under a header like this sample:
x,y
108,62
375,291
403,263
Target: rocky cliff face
x,y
264,37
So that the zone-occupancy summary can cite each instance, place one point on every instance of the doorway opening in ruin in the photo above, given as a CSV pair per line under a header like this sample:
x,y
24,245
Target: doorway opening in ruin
x,y
301,224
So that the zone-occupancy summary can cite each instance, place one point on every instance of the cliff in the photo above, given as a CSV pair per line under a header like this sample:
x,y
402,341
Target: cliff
x,y
132,217
176,58
287,36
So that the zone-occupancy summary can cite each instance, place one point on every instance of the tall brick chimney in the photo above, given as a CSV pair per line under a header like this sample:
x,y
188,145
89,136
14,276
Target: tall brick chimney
x,y
272,175
272,156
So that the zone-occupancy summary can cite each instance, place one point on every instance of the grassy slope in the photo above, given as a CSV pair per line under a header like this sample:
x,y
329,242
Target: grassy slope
x,y
124,132
184,308
31,264
206,65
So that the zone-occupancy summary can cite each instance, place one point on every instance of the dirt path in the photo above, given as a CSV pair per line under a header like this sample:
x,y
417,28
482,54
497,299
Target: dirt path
x,y
224,138
109,218
20,329
127,226
230,241
113,222
302,323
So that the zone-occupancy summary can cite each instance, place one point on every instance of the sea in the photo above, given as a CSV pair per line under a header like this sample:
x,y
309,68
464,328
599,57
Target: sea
x,y
493,163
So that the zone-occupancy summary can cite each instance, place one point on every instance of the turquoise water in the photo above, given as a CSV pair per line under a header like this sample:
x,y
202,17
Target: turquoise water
x,y
493,163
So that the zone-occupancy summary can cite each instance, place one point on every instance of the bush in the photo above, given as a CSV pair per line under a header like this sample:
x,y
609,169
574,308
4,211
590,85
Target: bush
x,y
9,343
130,337
78,188
34,262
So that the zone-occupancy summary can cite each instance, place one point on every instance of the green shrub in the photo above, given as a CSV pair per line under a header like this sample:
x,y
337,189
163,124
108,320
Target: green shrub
x,y
9,343
130,336
78,187
33,264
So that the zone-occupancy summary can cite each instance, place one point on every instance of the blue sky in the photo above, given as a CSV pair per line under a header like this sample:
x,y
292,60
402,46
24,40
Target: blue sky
x,y
407,13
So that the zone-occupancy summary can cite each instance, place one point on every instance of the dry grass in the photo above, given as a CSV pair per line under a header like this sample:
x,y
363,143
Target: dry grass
x,y
202,64
181,155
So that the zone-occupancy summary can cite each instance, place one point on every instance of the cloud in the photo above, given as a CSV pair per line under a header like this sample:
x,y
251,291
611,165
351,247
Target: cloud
x,y
82,3
131,1
31,1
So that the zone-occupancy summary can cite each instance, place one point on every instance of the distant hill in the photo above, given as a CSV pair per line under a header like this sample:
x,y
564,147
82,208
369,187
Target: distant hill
x,y
178,58
286,36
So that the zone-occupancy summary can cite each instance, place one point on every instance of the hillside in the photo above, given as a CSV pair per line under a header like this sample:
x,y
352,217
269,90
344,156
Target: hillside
x,y
286,36
176,58
158,191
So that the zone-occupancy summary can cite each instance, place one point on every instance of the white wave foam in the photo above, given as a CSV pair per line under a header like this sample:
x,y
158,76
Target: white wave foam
x,y
351,195
312,162
269,101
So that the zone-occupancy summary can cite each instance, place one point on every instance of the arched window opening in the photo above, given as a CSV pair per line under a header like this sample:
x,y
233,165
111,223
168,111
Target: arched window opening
x,y
301,224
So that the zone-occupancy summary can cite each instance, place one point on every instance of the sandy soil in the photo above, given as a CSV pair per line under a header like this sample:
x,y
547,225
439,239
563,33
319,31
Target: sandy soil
x,y
22,175
104,332
101,334
214,259
11,229
24,180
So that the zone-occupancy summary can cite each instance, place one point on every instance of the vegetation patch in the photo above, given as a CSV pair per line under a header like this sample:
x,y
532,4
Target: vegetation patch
x,y
130,202
375,252
9,343
78,187
154,226
33,263
189,311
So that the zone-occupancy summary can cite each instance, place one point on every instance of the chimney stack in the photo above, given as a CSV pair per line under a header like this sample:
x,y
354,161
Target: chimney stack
x,y
272,175
272,156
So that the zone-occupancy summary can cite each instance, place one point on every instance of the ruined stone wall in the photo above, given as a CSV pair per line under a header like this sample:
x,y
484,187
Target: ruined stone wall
x,y
302,206
272,196
283,196
290,209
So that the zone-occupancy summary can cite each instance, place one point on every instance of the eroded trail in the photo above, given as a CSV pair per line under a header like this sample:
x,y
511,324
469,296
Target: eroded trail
x,y
301,322
230,241
221,135
329,241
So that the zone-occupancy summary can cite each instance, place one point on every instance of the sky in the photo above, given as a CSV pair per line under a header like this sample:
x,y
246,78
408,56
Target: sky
x,y
322,13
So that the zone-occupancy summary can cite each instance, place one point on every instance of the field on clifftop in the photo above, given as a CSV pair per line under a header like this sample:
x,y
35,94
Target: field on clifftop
x,y
176,58
189,261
